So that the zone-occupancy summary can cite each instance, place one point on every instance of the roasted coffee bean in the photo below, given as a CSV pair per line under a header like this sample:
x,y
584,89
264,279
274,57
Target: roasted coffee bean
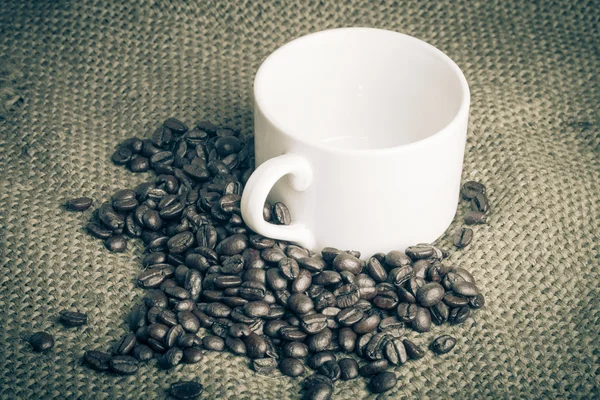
x,y
480,203
376,270
347,339
413,351
319,391
232,245
347,262
153,277
465,289
41,341
233,265
186,390
329,254
373,368
260,242
391,326
443,344
439,313
452,300
302,282
368,324
256,309
470,189
275,280
395,352
291,367
362,343
264,365
79,204
272,255
155,298
281,214
346,295
400,275
312,264
374,349
477,301
348,369
252,290
319,358
235,345
475,217
256,346
125,344
97,360
414,284
239,330
320,341
157,345
98,231
139,164
430,294
197,262
330,369
272,328
186,340
124,365
218,310
313,323
122,156
462,237
180,242
192,355
327,278
383,382
397,259
459,315
213,343
176,292
292,333
422,321
295,350
386,297
316,379
141,352
367,293
116,244
296,252
419,252
171,358
300,303
72,318
349,316
188,321
227,281
289,268
405,296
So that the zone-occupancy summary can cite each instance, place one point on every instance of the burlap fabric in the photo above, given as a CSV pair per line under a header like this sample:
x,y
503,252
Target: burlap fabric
x,y
78,77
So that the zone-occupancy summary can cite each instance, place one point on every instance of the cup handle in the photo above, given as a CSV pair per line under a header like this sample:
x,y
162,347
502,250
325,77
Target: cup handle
x,y
257,189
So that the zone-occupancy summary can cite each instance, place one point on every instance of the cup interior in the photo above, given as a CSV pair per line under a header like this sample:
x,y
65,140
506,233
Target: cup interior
x,y
360,88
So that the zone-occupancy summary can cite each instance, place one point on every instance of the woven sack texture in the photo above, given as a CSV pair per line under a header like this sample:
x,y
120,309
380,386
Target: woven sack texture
x,y
77,77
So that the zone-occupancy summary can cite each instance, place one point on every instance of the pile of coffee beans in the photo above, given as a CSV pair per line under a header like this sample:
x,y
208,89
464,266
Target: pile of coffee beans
x,y
214,285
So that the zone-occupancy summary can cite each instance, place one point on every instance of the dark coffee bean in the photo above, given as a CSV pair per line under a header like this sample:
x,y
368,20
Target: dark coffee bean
x,y
167,317
157,345
392,326
329,254
288,268
155,298
79,204
386,297
153,277
134,144
300,303
348,369
154,258
347,339
291,333
475,217
192,355
228,145
480,203
260,242
376,270
465,289
413,351
171,358
232,245
175,126
125,344
177,292
313,323
97,360
470,189
383,382
98,231
186,390
272,255
302,282
347,262
477,301
252,290
346,295
124,365
239,330
330,369
213,343
193,284
163,158
443,344
414,284
291,367
264,365
122,156
296,252
227,281
162,136
256,309
196,172
272,328
312,264
206,236
362,343
400,275
422,321
158,331
281,214
452,300
459,315
295,350
319,358
139,164
320,341
319,391
368,324
72,318
141,352
439,313
397,259
197,262
404,296
275,280
374,349
256,346
430,294
116,244
462,237
151,220
316,379
331,312
327,278
235,345
125,204
349,316
188,321
367,293
187,340
373,368
218,310
395,352
41,341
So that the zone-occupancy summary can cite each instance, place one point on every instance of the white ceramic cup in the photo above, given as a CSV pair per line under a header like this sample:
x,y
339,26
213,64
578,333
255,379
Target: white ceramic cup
x,y
361,133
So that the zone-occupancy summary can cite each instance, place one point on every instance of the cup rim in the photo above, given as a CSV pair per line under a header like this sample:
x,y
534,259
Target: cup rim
x,y
462,109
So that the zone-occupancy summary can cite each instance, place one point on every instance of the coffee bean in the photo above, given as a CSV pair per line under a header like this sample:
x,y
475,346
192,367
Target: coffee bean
x,y
79,203
386,297
348,369
475,217
376,270
347,339
235,345
281,214
373,368
349,316
155,298
439,313
462,237
330,369
443,344
313,323
459,315
400,275
97,360
300,303
124,365
419,252
291,333
256,346
430,294
470,189
312,264
347,262
413,351
98,231
141,352
320,341
158,331
256,309
171,358
291,367
320,358
392,326
122,156
383,382
126,344
319,391
153,277
480,203
367,324
477,301
395,352
41,341
374,349
346,295
422,321
213,343
465,289
180,242
232,245
72,318
116,244
264,365
186,390
302,282
396,259
192,355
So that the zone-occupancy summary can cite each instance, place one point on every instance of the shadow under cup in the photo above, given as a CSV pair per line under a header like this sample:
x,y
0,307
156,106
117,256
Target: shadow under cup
x,y
360,88
380,120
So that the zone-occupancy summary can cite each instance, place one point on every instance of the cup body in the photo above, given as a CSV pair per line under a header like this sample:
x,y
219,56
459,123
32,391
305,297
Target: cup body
x,y
381,118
